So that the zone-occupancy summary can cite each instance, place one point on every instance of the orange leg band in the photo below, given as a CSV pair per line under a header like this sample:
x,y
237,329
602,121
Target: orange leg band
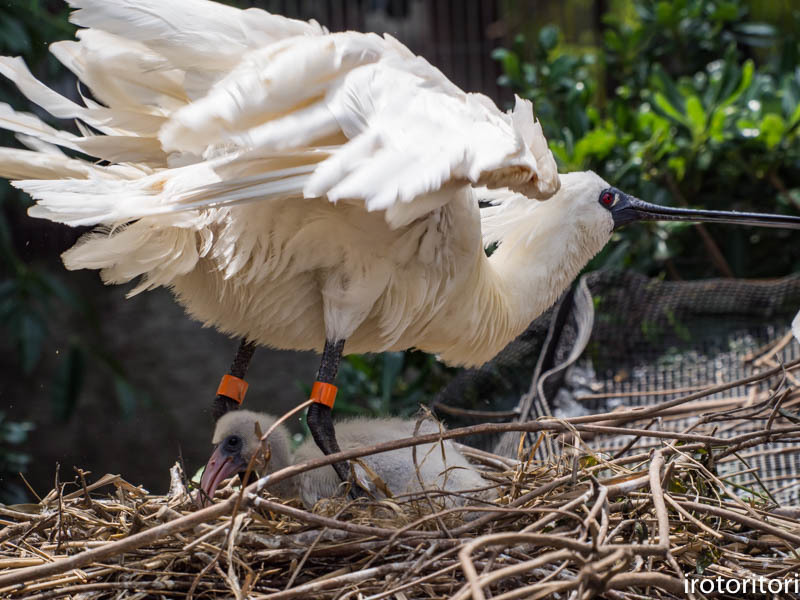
x,y
324,393
232,387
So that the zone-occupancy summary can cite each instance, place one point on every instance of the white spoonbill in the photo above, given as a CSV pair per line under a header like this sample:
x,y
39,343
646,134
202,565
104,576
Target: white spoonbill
x,y
299,188
439,468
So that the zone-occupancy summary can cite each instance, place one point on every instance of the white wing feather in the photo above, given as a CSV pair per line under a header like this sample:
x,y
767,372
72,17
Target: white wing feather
x,y
123,73
203,39
205,107
25,164
33,126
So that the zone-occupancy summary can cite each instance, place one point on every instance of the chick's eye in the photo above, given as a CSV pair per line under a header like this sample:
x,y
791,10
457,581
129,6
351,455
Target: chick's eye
x,y
233,442
607,199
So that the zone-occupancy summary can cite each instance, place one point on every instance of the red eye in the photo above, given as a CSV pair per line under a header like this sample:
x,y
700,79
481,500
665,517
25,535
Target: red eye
x,y
607,199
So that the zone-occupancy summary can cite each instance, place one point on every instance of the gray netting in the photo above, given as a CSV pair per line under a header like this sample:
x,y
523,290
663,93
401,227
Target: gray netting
x,y
619,339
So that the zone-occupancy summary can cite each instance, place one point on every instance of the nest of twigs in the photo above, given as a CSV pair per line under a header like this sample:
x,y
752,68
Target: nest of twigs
x,y
585,525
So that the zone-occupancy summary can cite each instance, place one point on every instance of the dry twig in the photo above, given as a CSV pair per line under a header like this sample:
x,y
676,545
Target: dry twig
x,y
618,528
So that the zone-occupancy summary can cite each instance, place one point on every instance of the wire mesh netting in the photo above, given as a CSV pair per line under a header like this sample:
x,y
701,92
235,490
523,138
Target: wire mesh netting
x,y
619,341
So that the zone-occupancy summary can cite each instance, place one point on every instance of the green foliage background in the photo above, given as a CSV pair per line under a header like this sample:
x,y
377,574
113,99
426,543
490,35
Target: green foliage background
x,y
687,102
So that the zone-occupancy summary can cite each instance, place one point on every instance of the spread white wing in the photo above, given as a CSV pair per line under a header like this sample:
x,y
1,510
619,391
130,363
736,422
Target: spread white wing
x,y
199,107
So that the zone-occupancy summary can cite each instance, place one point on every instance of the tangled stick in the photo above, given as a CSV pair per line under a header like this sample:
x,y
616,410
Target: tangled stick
x,y
581,533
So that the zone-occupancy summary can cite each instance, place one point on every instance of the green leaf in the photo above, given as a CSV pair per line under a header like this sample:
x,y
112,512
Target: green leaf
x,y
612,40
561,68
548,37
716,129
772,127
669,109
12,33
392,367
704,159
761,29
705,559
359,364
510,63
664,83
677,164
676,486
795,118
748,128
559,150
725,11
696,115
597,143
666,13
744,83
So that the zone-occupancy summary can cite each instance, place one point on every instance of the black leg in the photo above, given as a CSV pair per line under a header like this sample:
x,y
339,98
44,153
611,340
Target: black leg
x,y
223,404
329,365
319,422
319,415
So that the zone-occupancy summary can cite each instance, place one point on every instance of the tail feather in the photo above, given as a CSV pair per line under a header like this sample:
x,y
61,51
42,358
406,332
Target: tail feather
x,y
157,254
78,202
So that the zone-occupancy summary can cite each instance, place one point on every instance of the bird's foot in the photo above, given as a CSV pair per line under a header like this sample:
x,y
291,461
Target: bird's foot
x,y
353,477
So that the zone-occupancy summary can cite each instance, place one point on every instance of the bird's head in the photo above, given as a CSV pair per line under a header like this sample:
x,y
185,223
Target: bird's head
x,y
602,208
237,440
542,246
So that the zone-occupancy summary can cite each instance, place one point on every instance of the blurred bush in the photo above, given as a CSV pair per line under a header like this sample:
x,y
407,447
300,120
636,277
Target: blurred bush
x,y
31,297
686,103
393,383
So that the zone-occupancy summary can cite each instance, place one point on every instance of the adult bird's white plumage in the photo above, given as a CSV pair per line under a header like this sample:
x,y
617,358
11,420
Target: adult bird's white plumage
x,y
300,189
292,185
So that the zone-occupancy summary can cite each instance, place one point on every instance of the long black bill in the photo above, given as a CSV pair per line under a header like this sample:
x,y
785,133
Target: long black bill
x,y
627,209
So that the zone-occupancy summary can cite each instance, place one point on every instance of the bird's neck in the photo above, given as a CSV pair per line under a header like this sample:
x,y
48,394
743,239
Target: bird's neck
x,y
522,278
531,274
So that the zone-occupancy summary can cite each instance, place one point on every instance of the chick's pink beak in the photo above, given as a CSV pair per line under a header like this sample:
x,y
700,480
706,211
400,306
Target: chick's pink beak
x,y
219,467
